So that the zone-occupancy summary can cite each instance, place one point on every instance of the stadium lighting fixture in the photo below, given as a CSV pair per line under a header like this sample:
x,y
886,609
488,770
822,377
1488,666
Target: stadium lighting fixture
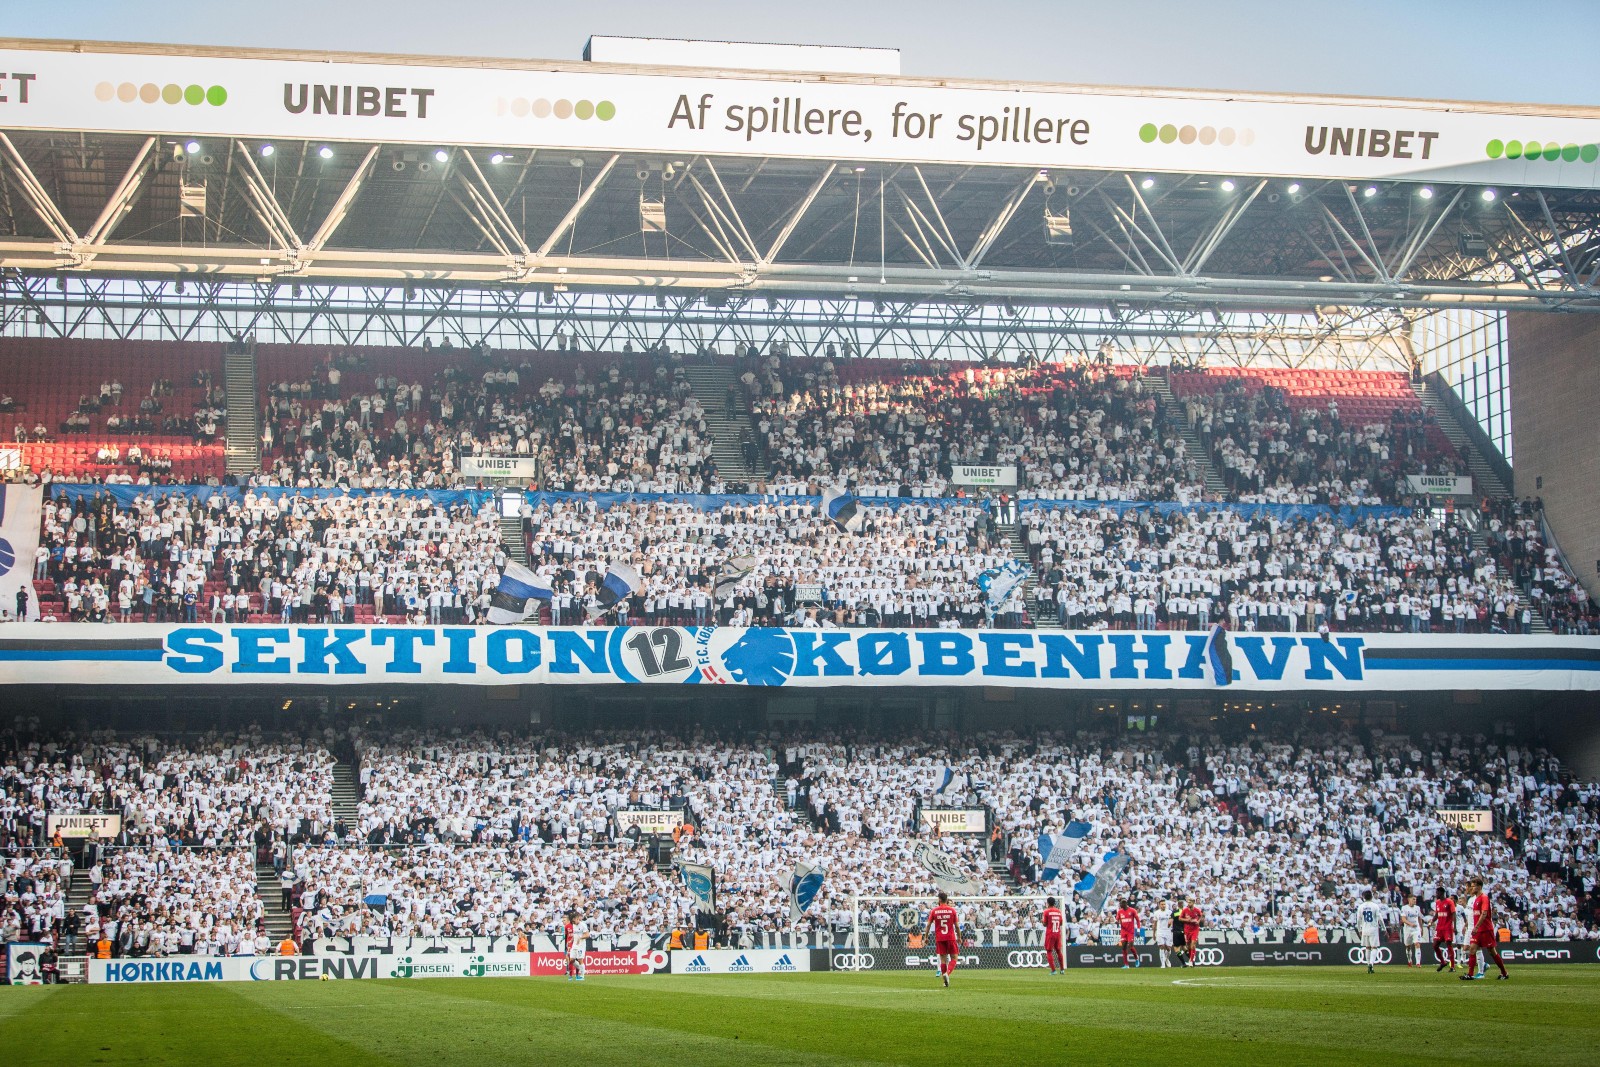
x,y
1294,187
498,158
325,152
861,170
267,150
1227,185
1488,196
1426,192
1148,183
442,156
1370,191
193,147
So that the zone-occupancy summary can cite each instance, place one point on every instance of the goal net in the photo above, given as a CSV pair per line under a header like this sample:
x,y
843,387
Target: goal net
x,y
890,933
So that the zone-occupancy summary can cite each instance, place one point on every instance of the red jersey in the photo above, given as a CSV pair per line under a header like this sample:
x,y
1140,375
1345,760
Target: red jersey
x,y
1482,917
567,930
1190,917
1128,919
1053,923
1444,919
945,923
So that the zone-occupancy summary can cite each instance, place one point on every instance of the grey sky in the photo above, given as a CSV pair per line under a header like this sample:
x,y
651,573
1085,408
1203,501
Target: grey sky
x,y
1448,49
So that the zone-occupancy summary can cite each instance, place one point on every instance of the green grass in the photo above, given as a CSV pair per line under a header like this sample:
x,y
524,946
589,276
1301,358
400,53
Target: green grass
x,y
1545,1015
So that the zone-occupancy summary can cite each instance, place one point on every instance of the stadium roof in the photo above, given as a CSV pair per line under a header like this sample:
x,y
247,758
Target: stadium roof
x,y
149,160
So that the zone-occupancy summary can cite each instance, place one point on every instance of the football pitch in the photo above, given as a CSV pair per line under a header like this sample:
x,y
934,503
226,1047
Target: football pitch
x,y
1548,1015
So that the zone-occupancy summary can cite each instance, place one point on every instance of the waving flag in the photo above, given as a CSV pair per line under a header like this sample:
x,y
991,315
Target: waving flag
x,y
843,510
998,583
1104,880
21,507
620,581
1055,849
701,881
1219,656
943,779
730,574
514,597
947,874
804,885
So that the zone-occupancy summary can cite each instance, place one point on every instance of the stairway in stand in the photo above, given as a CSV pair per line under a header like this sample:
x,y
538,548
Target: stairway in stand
x,y
1039,613
511,537
346,796
711,382
269,887
1484,478
1191,439
243,455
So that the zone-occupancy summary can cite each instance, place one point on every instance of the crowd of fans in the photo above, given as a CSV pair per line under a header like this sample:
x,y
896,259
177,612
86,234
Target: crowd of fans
x,y
630,424
1074,433
1514,532
1269,452
506,834
1186,569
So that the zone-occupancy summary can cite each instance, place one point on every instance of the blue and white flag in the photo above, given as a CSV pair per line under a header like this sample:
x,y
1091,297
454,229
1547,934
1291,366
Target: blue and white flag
x,y
730,574
1056,849
620,581
701,881
998,583
804,885
943,779
843,510
516,595
1219,656
1103,881
20,511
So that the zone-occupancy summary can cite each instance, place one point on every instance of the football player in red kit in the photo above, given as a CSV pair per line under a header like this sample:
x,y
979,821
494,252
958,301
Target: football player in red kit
x,y
1128,928
1481,933
1444,929
944,929
1055,932
1191,918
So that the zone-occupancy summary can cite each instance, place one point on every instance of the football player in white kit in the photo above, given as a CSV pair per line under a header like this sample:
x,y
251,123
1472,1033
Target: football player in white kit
x,y
1164,933
1411,931
1369,924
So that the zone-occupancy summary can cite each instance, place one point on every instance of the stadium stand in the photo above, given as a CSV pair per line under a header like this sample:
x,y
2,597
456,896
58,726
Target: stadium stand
x,y
134,412
476,833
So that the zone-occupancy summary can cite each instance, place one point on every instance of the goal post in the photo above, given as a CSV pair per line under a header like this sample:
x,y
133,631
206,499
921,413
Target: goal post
x,y
889,930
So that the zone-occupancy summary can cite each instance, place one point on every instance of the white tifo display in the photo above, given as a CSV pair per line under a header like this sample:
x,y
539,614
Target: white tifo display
x,y
142,89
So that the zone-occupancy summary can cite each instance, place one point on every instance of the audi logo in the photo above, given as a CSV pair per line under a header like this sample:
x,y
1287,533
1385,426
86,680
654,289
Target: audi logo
x,y
854,961
1358,955
1025,959
1208,957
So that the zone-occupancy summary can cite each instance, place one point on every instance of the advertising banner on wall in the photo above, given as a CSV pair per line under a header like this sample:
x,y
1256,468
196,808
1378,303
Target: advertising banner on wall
x,y
1468,820
955,820
544,104
83,824
149,654
1004,476
298,968
1440,484
740,961
648,821
511,468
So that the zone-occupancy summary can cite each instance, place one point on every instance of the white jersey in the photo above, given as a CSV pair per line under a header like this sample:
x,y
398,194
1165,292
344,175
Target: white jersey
x,y
1411,923
1164,929
1369,916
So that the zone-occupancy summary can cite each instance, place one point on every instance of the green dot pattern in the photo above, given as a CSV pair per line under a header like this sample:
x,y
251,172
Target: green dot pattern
x,y
1188,133
543,108
1546,151
171,93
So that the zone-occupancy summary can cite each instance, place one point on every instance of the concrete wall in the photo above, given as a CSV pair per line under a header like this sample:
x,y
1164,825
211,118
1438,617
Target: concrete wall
x,y
1555,418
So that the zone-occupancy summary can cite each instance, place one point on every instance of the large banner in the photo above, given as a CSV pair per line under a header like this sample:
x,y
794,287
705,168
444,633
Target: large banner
x,y
1440,484
22,963
83,86
83,824
295,968
148,654
1468,820
20,510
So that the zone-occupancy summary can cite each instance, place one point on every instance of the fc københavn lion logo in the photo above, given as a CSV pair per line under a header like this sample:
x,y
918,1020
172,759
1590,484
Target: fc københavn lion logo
x,y
763,656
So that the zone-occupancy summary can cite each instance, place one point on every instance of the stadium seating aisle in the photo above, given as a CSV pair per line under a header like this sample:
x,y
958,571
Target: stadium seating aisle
x,y
499,834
